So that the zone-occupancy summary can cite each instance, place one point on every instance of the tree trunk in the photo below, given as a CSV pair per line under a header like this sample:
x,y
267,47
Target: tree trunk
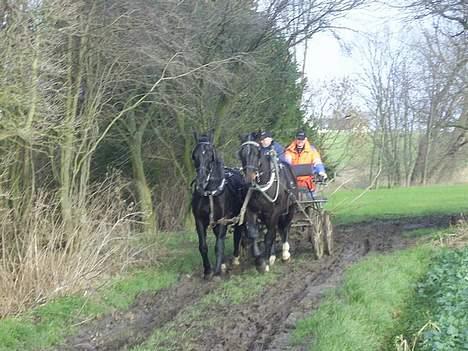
x,y
145,199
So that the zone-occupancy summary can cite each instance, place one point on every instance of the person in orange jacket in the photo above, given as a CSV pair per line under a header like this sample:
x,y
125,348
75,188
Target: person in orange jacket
x,y
300,151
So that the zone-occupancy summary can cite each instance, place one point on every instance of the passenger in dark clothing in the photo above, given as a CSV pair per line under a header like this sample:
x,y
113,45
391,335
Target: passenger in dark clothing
x,y
267,144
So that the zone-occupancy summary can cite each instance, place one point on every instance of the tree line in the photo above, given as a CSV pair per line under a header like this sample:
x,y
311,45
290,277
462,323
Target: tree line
x,y
93,88
407,110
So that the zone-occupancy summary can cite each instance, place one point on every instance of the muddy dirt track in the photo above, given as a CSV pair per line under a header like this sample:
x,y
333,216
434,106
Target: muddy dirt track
x,y
261,323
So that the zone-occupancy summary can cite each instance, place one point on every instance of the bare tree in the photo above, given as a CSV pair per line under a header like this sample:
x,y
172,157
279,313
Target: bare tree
x,y
454,11
389,83
416,94
444,61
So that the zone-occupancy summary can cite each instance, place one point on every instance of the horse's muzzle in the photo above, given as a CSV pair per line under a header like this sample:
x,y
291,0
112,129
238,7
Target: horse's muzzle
x,y
250,176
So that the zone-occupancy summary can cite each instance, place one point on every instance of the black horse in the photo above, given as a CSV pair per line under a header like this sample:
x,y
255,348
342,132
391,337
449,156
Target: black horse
x,y
271,199
217,198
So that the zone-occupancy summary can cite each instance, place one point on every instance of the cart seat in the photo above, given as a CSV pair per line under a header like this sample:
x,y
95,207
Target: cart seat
x,y
306,169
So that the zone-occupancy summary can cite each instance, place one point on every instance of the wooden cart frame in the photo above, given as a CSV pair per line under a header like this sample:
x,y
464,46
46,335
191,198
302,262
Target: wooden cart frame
x,y
312,222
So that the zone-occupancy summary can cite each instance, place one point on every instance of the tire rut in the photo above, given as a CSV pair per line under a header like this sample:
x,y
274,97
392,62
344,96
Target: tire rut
x,y
264,322
132,327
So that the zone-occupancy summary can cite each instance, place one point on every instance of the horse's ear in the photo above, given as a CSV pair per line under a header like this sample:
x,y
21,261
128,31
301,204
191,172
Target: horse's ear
x,y
256,135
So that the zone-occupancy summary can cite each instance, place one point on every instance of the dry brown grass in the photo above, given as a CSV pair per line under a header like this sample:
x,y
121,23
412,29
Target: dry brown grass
x,y
458,236
40,261
402,344
171,206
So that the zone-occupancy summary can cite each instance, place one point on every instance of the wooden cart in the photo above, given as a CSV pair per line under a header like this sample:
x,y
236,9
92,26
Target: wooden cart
x,y
311,221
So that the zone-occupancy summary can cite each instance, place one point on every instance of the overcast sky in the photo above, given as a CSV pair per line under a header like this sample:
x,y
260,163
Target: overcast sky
x,y
327,58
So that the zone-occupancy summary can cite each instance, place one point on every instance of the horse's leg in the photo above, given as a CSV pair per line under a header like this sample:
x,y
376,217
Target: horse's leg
x,y
284,231
284,227
220,231
272,258
237,242
203,247
269,243
252,236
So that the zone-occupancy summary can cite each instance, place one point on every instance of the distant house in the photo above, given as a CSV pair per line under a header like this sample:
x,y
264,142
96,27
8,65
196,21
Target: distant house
x,y
351,122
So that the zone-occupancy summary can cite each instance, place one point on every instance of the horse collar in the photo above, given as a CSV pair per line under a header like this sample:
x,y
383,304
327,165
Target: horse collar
x,y
216,191
250,142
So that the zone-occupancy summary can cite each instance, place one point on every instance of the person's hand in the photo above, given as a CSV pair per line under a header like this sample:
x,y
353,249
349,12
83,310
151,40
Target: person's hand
x,y
323,175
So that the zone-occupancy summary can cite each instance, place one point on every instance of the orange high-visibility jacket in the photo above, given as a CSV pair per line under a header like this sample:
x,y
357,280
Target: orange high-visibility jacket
x,y
308,155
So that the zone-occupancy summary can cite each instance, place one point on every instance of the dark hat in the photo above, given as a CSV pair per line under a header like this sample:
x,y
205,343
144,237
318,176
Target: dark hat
x,y
301,135
265,134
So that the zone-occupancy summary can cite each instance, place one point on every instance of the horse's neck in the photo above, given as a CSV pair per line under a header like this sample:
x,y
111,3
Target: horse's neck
x,y
265,170
217,175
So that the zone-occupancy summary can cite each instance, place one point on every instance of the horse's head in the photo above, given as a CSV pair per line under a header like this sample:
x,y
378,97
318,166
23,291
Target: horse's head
x,y
203,157
250,156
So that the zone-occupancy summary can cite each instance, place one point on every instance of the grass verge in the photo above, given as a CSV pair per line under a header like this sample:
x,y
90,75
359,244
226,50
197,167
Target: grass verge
x,y
47,325
360,314
436,318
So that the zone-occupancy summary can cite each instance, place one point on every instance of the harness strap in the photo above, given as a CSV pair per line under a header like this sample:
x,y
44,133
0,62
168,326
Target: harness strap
x,y
223,220
217,191
212,224
244,207
250,142
274,176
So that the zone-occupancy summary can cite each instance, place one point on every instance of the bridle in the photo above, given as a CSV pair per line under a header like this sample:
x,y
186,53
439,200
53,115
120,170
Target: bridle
x,y
252,167
209,171
274,172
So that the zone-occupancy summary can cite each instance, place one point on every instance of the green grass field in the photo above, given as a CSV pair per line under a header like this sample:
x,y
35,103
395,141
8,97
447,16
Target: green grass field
x,y
359,205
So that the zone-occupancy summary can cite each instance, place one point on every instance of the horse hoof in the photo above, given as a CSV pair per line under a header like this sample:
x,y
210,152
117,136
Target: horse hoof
x,y
272,260
286,255
223,268
267,268
235,261
208,276
262,267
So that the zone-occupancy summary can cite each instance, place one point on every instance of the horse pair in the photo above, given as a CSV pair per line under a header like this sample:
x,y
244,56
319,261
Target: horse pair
x,y
222,196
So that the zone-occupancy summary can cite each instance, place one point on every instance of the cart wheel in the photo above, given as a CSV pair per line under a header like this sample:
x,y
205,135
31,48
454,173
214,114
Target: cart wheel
x,y
316,232
328,233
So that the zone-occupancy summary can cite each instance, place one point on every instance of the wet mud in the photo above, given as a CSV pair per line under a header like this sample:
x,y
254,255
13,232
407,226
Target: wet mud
x,y
264,322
